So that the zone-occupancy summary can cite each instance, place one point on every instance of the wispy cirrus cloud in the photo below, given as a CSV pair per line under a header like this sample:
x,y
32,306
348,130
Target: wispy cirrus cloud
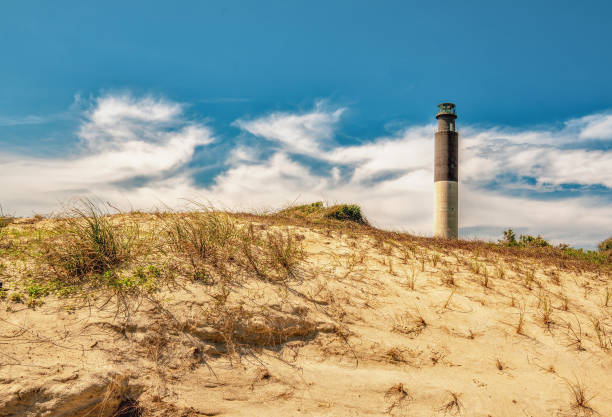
x,y
140,150
595,126
6,121
305,133
122,139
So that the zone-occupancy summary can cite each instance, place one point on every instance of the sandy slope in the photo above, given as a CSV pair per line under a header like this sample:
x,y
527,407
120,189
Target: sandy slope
x,y
348,337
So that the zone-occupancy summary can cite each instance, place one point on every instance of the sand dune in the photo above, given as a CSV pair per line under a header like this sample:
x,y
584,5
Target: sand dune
x,y
359,322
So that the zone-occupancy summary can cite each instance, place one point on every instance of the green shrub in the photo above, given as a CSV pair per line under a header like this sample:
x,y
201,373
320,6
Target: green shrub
x,y
605,247
585,255
35,290
537,242
509,238
142,279
63,290
343,212
524,240
533,242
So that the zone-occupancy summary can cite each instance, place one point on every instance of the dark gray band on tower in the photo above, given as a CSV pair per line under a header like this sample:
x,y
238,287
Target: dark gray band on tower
x,y
446,156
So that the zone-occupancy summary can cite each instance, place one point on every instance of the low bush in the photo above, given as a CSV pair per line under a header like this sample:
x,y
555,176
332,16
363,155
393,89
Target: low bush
x,y
143,278
524,240
540,246
585,255
605,248
343,212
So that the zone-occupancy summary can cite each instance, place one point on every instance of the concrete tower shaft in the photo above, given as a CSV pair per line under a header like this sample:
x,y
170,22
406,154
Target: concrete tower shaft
x,y
446,154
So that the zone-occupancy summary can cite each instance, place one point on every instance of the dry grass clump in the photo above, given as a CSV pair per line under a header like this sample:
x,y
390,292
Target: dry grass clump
x,y
272,256
448,277
395,355
208,240
545,312
129,407
580,399
113,400
435,258
575,335
486,282
408,324
604,340
422,260
408,251
500,271
529,278
453,406
397,395
476,267
411,278
87,241
554,277
219,248
521,321
283,253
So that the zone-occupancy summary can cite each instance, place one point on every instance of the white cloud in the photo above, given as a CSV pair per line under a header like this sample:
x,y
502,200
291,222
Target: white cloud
x,y
596,126
579,221
32,119
305,133
392,178
123,139
113,121
547,164
126,138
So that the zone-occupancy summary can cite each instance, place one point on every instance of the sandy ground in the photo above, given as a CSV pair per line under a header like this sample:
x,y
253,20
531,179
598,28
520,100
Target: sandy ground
x,y
348,337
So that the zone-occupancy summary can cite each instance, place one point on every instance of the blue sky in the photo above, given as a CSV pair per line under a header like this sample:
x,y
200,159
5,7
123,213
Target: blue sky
x,y
258,104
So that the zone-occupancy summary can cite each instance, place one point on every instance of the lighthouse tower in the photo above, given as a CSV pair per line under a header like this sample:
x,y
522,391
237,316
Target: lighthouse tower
x,y
446,191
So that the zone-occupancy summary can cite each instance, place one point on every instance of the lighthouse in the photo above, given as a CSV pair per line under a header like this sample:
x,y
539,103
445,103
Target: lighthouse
x,y
446,152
